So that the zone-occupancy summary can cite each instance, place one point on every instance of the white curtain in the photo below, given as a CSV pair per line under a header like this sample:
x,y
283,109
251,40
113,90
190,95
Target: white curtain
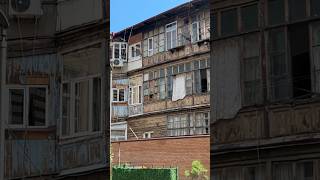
x,y
179,87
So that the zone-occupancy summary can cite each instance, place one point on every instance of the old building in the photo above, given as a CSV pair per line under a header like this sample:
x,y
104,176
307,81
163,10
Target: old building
x,y
161,77
265,94
55,88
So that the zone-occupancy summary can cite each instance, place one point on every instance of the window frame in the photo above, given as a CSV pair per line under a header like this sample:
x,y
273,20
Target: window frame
x,y
26,107
147,135
119,128
112,46
131,53
150,51
171,40
72,131
139,87
118,94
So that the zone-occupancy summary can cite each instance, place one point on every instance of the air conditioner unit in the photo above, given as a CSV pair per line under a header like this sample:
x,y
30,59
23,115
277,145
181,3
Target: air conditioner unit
x,y
25,8
117,63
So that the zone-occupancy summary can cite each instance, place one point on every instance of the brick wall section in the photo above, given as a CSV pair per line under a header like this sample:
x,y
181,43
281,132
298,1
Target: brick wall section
x,y
175,152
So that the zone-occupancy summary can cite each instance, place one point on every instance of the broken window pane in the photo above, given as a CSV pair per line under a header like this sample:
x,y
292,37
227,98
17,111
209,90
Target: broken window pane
x,y
204,82
66,109
96,104
297,9
315,7
16,106
300,60
229,22
81,106
276,11
37,107
249,17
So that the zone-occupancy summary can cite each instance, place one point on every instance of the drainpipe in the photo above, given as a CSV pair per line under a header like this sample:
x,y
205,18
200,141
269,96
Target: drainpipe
x,y
3,105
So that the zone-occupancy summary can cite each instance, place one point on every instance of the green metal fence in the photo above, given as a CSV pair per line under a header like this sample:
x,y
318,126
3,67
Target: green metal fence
x,y
128,173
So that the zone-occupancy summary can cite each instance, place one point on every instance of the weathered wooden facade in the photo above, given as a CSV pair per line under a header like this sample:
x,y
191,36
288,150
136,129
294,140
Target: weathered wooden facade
x,y
55,90
265,89
164,61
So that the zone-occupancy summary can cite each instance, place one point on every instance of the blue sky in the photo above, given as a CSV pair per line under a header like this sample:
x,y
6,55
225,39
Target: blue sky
x,y
125,13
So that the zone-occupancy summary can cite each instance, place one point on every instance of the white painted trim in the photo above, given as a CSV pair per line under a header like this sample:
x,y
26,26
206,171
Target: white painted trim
x,y
26,106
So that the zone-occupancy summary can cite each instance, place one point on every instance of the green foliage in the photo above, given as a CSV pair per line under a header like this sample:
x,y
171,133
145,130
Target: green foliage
x,y
129,173
197,172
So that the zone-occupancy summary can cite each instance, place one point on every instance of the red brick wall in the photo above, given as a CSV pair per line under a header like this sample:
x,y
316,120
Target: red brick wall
x,y
175,152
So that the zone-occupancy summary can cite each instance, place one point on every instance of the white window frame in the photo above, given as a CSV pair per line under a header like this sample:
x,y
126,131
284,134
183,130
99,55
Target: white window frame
x,y
26,107
131,53
131,95
198,32
150,50
176,29
72,130
118,94
147,135
119,126
112,46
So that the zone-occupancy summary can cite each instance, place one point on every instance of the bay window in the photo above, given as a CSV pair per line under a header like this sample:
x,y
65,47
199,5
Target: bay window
x,y
118,50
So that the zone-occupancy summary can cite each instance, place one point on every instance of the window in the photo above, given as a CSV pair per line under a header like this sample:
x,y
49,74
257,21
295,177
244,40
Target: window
x,y
282,171
229,22
81,110
201,77
315,7
195,32
135,94
188,124
249,17
305,170
150,46
178,125
213,25
118,95
276,12
66,108
300,60
171,35
147,135
118,131
202,123
81,106
279,70
251,71
28,106
118,50
297,9
135,51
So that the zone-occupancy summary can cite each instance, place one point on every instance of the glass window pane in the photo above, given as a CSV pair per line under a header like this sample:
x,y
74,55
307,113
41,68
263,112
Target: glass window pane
x,y
229,21
297,9
315,7
37,107
249,17
16,106
66,109
121,94
96,104
275,11
81,113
